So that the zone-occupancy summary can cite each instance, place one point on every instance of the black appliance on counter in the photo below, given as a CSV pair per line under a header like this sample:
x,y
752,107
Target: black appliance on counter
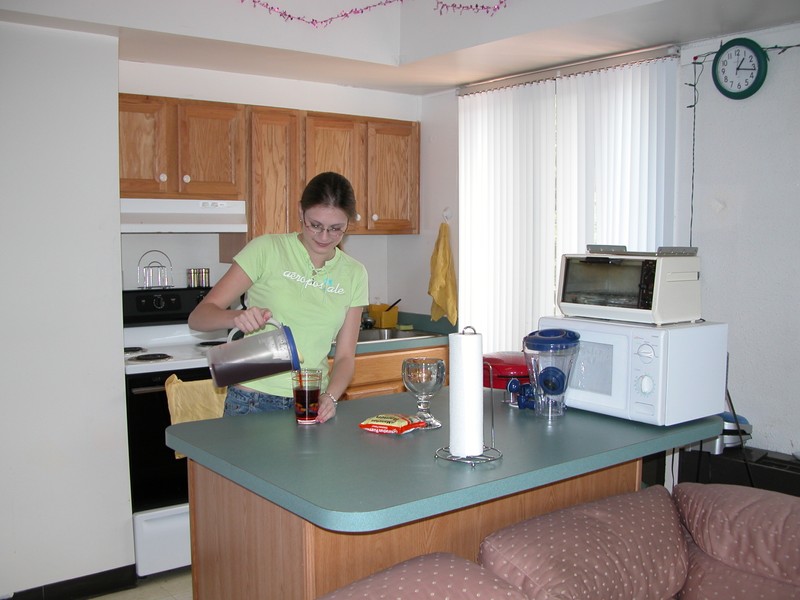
x,y
159,343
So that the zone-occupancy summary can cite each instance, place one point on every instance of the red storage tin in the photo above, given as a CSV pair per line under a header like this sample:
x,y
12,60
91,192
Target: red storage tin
x,y
505,366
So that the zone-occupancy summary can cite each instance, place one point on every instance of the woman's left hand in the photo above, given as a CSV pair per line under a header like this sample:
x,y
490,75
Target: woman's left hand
x,y
327,407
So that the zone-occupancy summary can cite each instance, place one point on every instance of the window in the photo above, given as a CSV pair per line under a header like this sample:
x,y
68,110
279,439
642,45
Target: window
x,y
546,168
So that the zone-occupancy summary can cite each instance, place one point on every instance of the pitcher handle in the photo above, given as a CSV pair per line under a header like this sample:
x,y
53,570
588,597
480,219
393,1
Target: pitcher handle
x,y
271,321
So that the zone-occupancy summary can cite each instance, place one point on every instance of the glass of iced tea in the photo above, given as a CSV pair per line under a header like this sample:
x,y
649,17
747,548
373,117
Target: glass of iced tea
x,y
306,384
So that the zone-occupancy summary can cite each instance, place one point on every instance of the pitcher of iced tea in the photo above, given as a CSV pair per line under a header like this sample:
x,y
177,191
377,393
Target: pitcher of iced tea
x,y
254,356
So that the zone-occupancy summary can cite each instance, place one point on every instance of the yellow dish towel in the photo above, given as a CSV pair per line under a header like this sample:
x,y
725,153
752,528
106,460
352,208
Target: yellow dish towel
x,y
442,286
193,400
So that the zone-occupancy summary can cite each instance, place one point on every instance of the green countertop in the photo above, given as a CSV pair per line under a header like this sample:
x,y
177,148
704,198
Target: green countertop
x,y
342,478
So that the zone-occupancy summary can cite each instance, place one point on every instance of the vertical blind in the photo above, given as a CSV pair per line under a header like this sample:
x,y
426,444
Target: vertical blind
x,y
546,168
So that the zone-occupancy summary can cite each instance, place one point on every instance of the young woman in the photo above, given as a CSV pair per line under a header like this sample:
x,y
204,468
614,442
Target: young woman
x,y
304,281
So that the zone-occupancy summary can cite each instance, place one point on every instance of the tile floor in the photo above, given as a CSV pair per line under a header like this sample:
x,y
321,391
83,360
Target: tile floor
x,y
172,585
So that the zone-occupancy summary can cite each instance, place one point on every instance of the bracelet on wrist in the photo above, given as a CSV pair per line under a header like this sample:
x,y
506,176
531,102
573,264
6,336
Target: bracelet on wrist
x,y
329,395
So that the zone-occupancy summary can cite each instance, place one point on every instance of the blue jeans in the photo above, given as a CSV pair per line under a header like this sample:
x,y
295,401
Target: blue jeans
x,y
239,401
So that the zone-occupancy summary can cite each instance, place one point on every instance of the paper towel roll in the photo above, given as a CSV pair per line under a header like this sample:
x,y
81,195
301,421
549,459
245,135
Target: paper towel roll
x,y
466,393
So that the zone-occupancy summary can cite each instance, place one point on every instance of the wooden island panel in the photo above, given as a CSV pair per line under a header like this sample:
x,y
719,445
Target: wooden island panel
x,y
244,546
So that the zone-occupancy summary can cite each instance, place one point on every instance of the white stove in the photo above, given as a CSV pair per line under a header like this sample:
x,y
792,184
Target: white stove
x,y
155,324
171,347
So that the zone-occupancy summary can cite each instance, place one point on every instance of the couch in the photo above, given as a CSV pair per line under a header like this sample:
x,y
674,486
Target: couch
x,y
703,541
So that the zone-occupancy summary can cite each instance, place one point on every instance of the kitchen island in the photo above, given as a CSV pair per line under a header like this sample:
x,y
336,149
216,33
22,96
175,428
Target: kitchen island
x,y
285,511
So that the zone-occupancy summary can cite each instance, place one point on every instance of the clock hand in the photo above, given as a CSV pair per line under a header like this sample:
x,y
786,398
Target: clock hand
x,y
739,66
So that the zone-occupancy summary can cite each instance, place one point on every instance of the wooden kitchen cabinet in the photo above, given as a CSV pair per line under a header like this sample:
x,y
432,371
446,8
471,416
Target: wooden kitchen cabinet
x,y
174,148
380,157
146,135
338,143
393,177
380,373
275,178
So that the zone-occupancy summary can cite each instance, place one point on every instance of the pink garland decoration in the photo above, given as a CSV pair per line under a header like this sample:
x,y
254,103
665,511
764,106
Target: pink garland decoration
x,y
441,7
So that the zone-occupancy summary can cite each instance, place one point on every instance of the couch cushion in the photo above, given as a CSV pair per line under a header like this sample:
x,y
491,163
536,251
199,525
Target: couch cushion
x,y
441,576
756,531
626,546
710,578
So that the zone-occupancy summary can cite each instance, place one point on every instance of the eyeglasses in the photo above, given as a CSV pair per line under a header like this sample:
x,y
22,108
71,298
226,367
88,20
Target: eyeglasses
x,y
317,228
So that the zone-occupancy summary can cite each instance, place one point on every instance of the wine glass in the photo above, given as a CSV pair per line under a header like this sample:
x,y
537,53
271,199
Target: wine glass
x,y
423,377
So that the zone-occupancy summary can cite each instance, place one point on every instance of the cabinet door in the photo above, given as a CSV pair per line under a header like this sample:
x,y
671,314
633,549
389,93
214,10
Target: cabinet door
x,y
145,164
393,176
338,143
381,372
275,154
211,150
378,389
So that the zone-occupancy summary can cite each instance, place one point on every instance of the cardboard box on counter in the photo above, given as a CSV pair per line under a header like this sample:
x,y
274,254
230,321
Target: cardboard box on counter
x,y
384,319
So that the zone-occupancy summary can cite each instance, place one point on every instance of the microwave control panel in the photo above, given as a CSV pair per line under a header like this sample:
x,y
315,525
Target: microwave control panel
x,y
645,365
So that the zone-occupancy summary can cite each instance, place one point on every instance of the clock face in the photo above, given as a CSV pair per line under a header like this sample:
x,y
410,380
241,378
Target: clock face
x,y
740,68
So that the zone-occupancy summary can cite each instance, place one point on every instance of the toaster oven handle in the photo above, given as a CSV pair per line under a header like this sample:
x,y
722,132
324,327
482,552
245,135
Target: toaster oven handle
x,y
602,260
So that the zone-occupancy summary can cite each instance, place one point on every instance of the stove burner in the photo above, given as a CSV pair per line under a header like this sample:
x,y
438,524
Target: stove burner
x,y
209,344
133,349
151,357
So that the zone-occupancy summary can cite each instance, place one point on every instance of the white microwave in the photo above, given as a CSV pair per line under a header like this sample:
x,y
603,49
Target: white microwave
x,y
662,375
656,288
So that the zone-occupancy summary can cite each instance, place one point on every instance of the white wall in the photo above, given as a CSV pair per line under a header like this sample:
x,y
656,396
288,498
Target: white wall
x,y
408,265
746,210
65,502
375,32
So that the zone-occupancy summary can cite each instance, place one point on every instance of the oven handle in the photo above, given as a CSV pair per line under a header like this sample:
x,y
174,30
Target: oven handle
x,y
151,389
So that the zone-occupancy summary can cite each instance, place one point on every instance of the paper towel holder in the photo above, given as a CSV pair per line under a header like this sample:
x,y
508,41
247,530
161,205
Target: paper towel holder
x,y
490,453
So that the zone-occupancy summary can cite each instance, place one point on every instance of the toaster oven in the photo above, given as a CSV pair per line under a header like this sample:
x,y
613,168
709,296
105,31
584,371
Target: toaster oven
x,y
611,283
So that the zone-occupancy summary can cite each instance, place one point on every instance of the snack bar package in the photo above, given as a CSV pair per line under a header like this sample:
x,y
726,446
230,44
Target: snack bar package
x,y
392,423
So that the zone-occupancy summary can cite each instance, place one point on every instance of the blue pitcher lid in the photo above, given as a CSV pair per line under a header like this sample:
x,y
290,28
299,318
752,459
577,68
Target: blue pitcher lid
x,y
295,356
549,340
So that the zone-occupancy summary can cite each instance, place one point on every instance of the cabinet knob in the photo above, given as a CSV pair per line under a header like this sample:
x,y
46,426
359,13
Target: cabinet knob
x,y
358,217
186,179
162,177
375,218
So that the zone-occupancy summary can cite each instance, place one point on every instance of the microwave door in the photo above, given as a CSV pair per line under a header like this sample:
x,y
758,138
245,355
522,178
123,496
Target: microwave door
x,y
598,379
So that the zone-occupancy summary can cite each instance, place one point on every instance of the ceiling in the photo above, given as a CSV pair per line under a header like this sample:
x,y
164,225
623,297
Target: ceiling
x,y
645,26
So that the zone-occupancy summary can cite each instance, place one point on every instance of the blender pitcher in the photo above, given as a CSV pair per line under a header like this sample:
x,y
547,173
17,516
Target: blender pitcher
x,y
254,356
549,355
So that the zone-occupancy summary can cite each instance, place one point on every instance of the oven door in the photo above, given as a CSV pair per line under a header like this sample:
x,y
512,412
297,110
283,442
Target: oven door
x,y
158,479
613,281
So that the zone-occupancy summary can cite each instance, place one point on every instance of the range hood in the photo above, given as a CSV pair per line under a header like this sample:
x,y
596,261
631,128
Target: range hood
x,y
145,215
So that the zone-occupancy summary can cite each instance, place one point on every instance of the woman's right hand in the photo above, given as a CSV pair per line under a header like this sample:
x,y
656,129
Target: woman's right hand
x,y
252,319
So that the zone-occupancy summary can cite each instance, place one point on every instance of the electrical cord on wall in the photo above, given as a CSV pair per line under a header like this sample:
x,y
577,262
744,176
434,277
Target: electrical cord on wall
x,y
698,64
736,421
741,438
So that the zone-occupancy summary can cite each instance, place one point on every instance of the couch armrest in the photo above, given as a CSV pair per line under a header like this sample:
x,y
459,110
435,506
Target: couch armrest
x,y
756,531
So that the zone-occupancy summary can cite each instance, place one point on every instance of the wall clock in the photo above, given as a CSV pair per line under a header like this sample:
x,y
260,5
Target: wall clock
x,y
740,68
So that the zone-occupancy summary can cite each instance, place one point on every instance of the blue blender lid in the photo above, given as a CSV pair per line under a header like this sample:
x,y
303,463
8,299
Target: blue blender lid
x,y
549,340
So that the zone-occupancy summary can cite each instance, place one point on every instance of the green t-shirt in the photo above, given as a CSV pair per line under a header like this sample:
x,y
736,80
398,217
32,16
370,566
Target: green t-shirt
x,y
312,302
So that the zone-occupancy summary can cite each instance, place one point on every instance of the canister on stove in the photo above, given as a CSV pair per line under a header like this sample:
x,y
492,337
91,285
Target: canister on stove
x,y
197,277
500,367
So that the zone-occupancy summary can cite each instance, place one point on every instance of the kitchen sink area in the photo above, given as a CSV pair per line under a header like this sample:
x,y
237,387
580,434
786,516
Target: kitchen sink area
x,y
381,339
382,335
